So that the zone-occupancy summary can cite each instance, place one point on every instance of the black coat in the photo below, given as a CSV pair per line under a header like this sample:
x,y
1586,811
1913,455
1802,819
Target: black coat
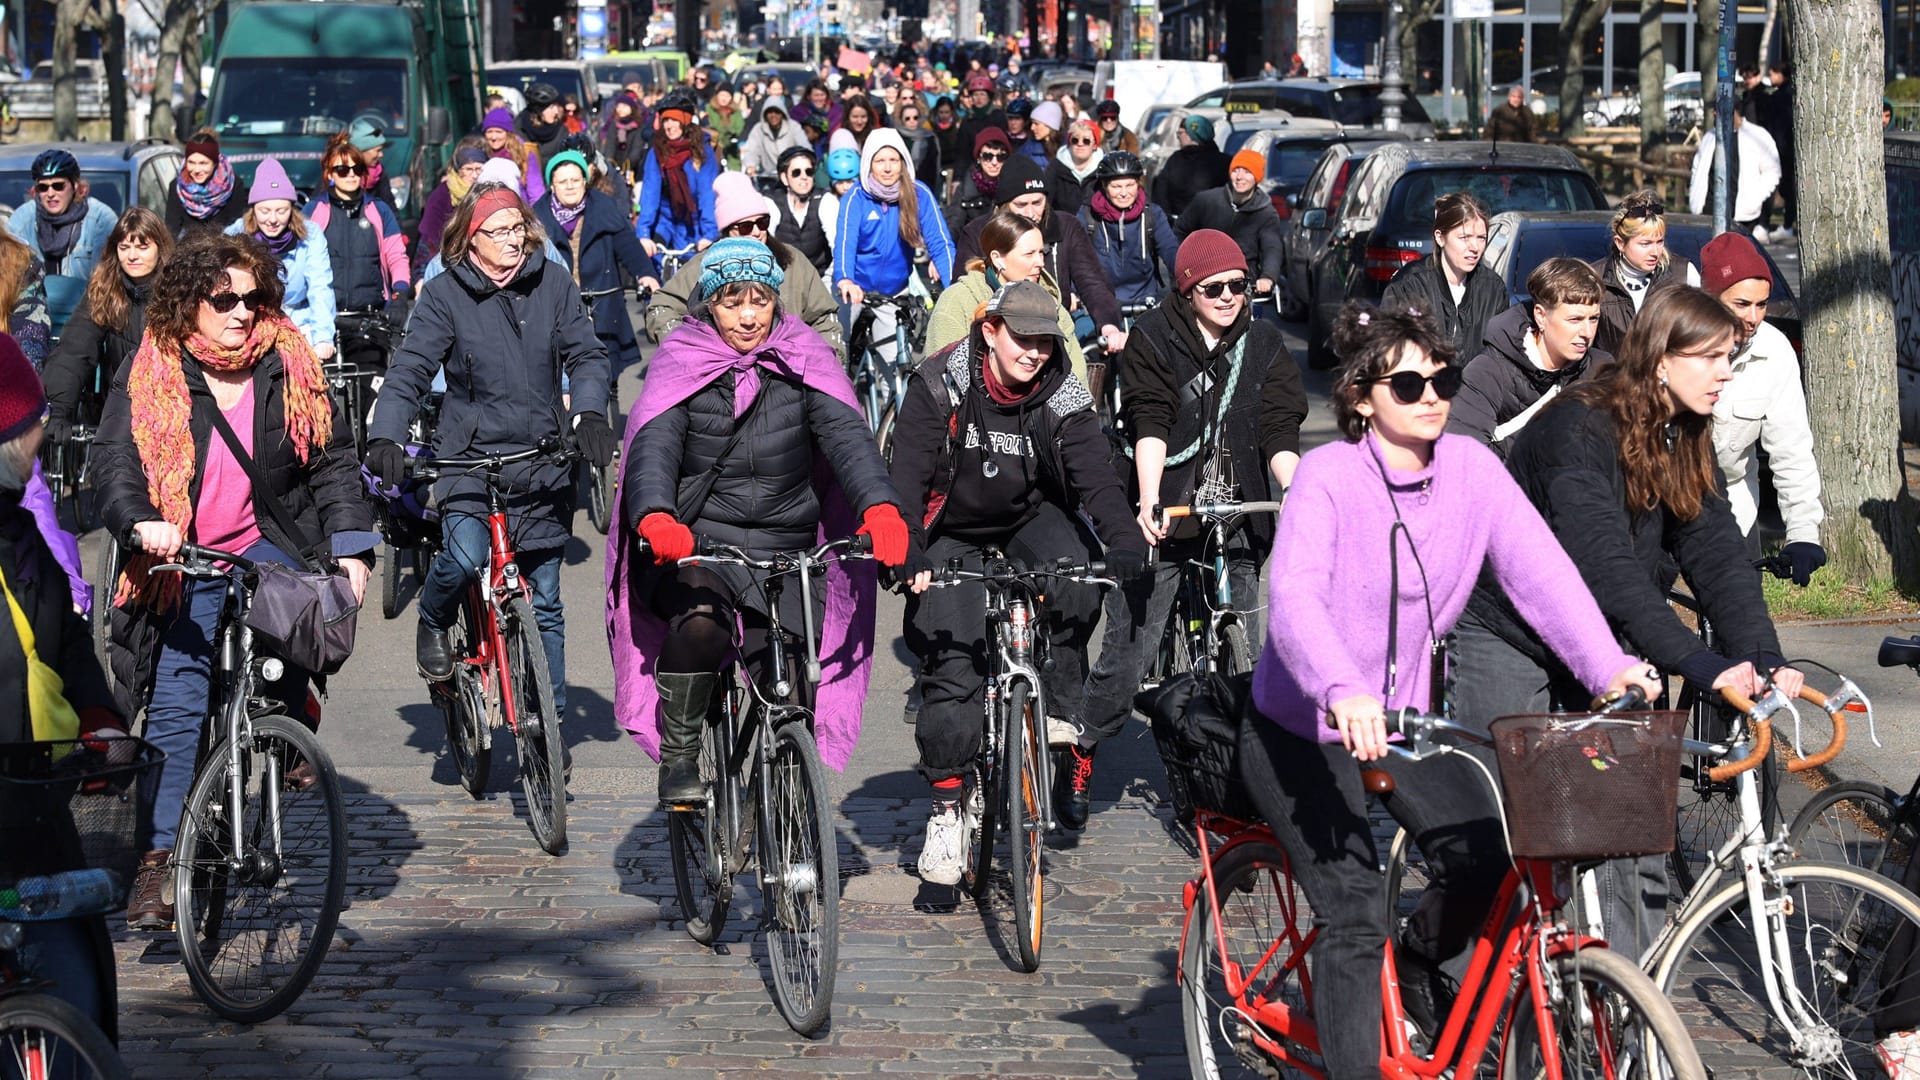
x,y
1422,286
183,225
1254,225
968,205
86,344
504,349
1065,191
1503,384
1071,261
604,239
324,495
1187,172
1616,307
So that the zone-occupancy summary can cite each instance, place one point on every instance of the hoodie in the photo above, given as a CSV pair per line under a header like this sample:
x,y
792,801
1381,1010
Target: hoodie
x,y
760,152
868,248
1507,384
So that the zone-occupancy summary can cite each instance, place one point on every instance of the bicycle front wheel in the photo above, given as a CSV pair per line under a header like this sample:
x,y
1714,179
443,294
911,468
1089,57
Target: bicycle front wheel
x,y
1606,1021
800,877
1709,811
536,727
981,817
391,569
702,840
44,1038
1263,931
1026,785
1859,824
1837,943
1231,654
256,900
110,559
600,496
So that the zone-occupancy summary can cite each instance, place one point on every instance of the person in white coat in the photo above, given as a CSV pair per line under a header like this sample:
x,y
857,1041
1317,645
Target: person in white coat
x,y
1763,406
302,250
1758,161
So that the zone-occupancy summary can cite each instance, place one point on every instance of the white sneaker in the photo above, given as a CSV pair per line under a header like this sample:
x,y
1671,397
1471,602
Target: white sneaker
x,y
1783,233
943,850
1900,1055
1760,234
1062,731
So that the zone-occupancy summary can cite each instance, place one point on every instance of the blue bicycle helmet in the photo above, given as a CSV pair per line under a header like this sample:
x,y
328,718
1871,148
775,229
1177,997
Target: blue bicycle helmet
x,y
55,163
1020,107
843,164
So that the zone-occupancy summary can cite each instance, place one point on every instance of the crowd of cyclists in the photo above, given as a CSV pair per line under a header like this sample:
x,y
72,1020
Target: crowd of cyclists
x,y
1621,406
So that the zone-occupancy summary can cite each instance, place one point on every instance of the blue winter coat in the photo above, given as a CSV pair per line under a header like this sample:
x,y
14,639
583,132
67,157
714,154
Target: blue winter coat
x,y
307,272
868,250
87,249
1130,251
605,244
655,218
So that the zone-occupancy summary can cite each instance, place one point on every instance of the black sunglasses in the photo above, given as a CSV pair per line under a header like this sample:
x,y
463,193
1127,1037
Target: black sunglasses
x,y
51,185
799,172
1409,387
226,301
992,155
1650,210
1082,142
749,226
348,170
1216,289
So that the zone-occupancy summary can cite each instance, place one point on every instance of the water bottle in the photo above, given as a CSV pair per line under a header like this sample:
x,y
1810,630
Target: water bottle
x,y
58,896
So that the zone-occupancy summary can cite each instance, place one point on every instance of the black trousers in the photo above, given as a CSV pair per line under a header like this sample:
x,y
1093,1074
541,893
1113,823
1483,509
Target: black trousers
x,y
702,605
947,629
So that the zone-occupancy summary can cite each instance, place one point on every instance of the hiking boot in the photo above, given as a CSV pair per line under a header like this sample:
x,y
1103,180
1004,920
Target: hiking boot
x,y
150,908
944,849
1072,798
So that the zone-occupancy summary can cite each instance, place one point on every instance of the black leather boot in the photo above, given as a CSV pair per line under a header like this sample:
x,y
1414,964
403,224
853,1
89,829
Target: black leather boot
x,y
683,717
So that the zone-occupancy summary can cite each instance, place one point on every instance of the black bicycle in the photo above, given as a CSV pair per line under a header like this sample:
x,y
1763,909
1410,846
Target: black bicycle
x,y
353,385
1859,822
1206,628
409,526
67,464
601,480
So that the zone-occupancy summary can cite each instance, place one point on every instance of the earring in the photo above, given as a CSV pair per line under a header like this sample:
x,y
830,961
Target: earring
x,y
1663,379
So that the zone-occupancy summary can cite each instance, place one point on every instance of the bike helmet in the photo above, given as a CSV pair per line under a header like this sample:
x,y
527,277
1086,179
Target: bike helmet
x,y
843,164
1020,108
55,163
681,99
788,156
1118,165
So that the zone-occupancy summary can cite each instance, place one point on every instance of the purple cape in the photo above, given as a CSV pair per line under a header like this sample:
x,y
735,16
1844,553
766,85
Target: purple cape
x,y
691,357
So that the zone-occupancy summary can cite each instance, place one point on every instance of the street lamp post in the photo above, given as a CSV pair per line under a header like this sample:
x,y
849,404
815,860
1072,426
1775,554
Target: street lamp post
x,y
1393,85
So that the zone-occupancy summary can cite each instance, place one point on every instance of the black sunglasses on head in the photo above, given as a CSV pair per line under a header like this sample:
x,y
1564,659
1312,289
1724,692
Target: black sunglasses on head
x,y
1650,210
226,301
1408,387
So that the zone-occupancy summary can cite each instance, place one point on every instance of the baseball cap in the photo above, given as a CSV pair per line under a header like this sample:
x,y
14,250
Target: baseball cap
x,y
1027,309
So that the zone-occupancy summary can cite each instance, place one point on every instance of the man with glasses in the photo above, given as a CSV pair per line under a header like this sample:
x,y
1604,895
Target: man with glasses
x,y
805,214
1114,136
1245,212
64,225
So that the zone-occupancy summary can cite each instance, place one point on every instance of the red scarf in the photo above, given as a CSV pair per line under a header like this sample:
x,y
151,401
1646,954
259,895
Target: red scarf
x,y
673,154
999,391
1106,211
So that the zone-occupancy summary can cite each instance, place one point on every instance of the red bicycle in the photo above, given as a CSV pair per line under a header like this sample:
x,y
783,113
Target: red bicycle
x,y
500,674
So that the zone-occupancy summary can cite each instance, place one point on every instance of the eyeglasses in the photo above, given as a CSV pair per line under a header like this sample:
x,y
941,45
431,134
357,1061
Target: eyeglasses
x,y
1214,290
992,155
504,233
227,301
348,170
749,226
1082,142
797,173
1409,387
44,186
740,268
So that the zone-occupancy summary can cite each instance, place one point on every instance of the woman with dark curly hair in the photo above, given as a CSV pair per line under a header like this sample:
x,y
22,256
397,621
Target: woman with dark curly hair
x,y
222,386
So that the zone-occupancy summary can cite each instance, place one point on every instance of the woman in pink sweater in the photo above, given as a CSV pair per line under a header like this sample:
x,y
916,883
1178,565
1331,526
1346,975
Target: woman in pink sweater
x,y
1396,500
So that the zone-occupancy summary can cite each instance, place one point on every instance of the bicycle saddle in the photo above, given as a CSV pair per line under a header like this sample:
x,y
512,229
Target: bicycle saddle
x,y
1376,781
1898,651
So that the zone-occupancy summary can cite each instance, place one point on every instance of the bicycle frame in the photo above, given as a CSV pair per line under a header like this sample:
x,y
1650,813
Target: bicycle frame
x,y
485,595
1012,663
1203,637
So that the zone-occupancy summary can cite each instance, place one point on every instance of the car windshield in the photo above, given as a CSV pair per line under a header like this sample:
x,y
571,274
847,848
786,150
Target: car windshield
x,y
1542,240
621,72
1499,189
286,96
1291,163
564,79
16,188
1360,107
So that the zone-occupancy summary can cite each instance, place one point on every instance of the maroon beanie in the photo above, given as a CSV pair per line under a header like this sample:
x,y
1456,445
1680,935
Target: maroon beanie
x,y
1729,259
206,146
1204,253
23,401
988,137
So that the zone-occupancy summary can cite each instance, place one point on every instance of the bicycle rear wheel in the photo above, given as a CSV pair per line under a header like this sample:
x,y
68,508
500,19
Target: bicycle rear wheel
x,y
800,878
257,900
536,727
1026,784
44,1038
702,840
393,566
1608,1022
1264,930
110,560
1859,824
1840,939
463,703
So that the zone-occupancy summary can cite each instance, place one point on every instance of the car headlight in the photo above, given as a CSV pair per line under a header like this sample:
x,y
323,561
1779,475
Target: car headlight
x,y
402,188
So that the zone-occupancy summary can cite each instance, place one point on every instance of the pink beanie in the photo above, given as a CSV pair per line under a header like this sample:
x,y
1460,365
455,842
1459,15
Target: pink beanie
x,y
735,199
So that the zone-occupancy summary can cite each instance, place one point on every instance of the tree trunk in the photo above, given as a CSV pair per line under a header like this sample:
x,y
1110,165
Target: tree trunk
x,y
1653,76
1578,19
1417,14
175,22
67,16
1766,33
1706,47
1846,291
114,55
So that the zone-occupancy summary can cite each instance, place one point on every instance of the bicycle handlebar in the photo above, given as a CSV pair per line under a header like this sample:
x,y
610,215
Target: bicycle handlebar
x,y
1009,570
433,468
198,562
713,551
1218,510
1761,712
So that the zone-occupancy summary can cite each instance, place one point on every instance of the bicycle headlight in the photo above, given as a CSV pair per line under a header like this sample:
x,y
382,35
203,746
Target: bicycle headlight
x,y
272,669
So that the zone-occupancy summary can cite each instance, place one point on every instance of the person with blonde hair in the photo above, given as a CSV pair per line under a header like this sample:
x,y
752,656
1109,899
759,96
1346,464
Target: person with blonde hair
x,y
1638,266
1073,167
306,269
23,296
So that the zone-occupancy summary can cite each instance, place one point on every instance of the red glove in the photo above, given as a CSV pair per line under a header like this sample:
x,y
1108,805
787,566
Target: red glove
x,y
883,523
670,540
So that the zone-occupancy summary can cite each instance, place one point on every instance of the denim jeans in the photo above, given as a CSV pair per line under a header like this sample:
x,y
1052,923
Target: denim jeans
x,y
182,691
465,552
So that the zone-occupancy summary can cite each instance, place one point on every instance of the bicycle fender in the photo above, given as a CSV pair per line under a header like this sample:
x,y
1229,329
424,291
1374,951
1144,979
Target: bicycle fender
x,y
1569,943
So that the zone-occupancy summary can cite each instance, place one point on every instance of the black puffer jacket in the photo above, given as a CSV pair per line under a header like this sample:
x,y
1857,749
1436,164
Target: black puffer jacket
x,y
1422,286
1071,261
1616,307
1186,173
323,495
764,497
86,343
504,349
1254,225
1504,387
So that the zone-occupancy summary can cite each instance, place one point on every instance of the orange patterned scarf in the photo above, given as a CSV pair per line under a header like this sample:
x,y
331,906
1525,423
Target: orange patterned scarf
x,y
163,409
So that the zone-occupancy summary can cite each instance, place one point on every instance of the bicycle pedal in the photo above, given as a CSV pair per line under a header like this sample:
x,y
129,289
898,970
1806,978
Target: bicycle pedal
x,y
687,806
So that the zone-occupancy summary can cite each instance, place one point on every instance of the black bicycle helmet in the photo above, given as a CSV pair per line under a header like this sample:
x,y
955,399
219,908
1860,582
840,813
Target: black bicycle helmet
x,y
1020,107
55,163
683,99
1119,165
788,155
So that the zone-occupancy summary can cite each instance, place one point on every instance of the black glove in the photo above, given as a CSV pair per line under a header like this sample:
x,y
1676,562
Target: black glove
x,y
595,439
899,577
387,460
59,429
1126,564
1805,558
398,309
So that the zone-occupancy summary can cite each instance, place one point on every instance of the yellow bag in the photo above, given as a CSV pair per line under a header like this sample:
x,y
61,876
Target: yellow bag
x,y
53,715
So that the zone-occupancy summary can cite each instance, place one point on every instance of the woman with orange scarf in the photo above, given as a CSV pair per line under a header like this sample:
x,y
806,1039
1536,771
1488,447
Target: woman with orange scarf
x,y
217,348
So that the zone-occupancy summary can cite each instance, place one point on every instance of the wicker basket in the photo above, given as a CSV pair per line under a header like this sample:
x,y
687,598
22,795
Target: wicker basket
x,y
73,805
1581,787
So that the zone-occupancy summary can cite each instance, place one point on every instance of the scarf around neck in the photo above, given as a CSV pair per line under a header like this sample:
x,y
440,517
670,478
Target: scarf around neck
x,y
569,216
986,185
886,193
674,155
1106,211
279,245
457,185
56,232
202,201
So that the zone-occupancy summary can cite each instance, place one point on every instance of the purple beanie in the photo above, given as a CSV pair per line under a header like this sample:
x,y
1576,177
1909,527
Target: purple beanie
x,y
270,182
498,118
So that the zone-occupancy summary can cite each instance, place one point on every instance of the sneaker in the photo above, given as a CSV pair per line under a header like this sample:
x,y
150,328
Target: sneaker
x,y
1783,233
1760,234
944,849
1062,731
1072,799
1900,1055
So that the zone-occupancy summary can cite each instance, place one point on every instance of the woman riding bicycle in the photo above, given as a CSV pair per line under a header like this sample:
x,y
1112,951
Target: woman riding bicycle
x,y
741,373
368,253
201,199
218,357
504,141
306,270
843,171
885,221
1622,467
1214,405
676,187
998,446
505,322
1072,166
1013,249
1383,537
106,326
977,192
595,243
1452,284
1130,235
1638,266
469,157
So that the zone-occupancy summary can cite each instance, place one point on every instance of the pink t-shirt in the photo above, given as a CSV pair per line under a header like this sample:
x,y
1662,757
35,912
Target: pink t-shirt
x,y
224,518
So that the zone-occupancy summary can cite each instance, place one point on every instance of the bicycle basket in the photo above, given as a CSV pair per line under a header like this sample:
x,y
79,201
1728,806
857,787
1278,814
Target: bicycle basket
x,y
73,805
1580,787
1196,727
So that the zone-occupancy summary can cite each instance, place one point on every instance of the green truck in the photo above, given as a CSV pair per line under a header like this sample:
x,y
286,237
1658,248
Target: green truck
x,y
287,76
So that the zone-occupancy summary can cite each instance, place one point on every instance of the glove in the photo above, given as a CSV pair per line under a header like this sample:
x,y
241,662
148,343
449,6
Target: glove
x,y
387,460
883,523
397,310
1805,558
1125,564
670,540
595,439
59,429
915,562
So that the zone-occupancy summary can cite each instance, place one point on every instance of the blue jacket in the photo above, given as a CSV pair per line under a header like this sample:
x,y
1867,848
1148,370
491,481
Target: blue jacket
x,y
307,272
81,257
605,243
1130,251
1034,149
655,218
868,250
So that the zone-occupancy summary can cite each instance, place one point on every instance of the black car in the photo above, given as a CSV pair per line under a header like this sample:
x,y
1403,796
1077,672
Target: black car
x,y
1386,219
1352,102
1310,213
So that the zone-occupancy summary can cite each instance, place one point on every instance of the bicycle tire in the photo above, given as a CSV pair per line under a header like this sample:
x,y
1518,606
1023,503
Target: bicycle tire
x,y
463,704
1026,756
1838,923
1261,909
600,497
701,841
1856,823
1596,1037
800,880
981,814
44,1038
248,954
390,604
883,432
110,557
1707,811
1232,655
536,727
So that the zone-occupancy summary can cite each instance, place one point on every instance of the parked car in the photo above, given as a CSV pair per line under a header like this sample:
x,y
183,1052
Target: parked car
x,y
1231,130
32,98
567,76
1386,219
610,73
1291,152
1308,227
1073,82
1353,102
